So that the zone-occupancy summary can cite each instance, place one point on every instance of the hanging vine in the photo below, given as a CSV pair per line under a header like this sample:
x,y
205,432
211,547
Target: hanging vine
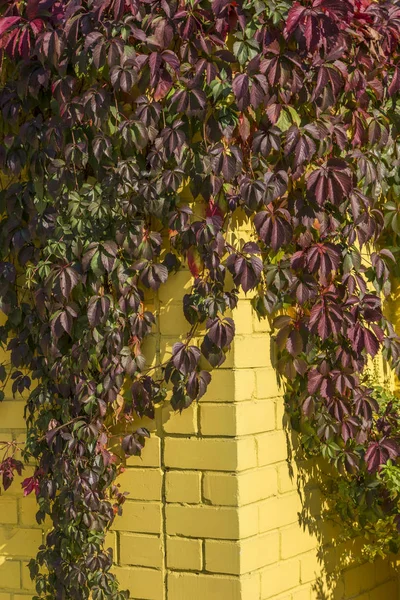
x,y
110,109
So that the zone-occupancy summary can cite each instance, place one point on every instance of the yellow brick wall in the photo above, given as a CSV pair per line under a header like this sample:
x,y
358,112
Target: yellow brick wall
x,y
214,504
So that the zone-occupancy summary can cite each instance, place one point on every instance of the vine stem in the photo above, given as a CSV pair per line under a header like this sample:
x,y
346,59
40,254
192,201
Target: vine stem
x,y
80,418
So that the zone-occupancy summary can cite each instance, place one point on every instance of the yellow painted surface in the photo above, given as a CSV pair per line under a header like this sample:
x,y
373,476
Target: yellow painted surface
x,y
213,506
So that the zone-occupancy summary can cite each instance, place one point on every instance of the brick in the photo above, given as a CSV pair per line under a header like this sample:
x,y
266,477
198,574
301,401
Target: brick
x,y
359,579
140,550
172,320
259,551
267,384
185,586
279,511
251,586
303,593
27,583
282,420
315,501
176,422
8,597
221,387
221,488
223,556
12,415
27,509
247,453
331,531
310,565
176,287
248,520
287,477
202,521
257,484
183,486
229,385
243,317
218,419
383,570
240,489
279,578
229,358
295,441
150,350
271,448
260,325
245,384
211,454
240,557
146,584
19,542
255,417
285,596
111,542
184,554
347,553
200,454
323,588
142,484
150,455
10,574
330,559
8,510
140,517
251,351
296,540
388,591
242,418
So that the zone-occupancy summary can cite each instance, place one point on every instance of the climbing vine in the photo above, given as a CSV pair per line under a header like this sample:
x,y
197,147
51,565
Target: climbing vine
x,y
113,112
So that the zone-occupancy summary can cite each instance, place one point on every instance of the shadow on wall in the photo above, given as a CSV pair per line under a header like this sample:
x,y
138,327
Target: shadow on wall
x,y
343,572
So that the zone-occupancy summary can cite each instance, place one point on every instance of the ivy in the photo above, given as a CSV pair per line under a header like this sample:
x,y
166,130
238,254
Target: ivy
x,y
113,112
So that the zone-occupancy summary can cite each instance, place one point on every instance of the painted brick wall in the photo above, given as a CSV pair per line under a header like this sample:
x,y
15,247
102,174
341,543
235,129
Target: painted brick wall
x,y
214,504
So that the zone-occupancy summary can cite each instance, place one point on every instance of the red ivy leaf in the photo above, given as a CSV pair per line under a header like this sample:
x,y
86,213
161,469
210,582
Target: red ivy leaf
x,y
7,23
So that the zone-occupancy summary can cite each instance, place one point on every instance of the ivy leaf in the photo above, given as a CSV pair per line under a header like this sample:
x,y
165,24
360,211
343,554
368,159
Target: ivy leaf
x,y
221,332
240,88
66,279
273,226
185,358
246,271
332,182
378,453
133,444
7,23
294,344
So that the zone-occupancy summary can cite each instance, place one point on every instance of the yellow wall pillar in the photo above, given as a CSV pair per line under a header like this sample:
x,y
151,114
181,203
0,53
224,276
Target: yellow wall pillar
x,y
212,511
